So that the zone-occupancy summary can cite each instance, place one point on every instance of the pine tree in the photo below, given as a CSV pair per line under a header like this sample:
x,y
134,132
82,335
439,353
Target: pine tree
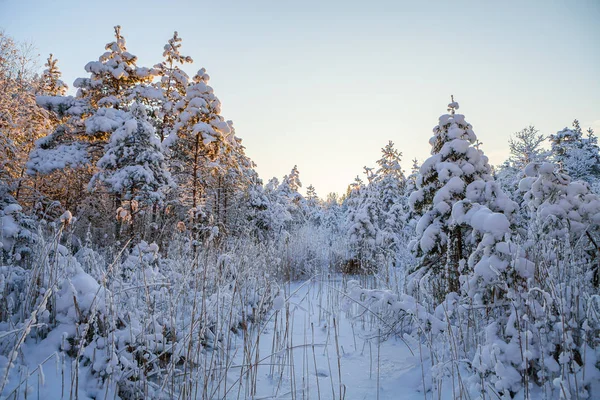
x,y
133,166
197,142
233,173
17,230
411,179
51,84
362,229
288,190
115,79
559,208
389,183
278,217
456,170
526,147
314,211
86,122
173,84
333,214
577,155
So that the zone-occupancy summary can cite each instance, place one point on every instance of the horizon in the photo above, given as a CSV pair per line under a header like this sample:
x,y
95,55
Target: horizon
x,y
296,94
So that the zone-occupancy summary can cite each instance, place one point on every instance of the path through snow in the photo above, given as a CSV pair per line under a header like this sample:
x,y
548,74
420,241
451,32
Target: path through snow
x,y
290,367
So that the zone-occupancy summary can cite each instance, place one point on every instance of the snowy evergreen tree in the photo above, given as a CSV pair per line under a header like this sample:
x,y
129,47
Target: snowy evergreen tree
x,y
333,215
577,154
411,179
50,84
233,173
173,84
133,166
411,218
526,147
195,144
22,122
85,122
560,210
17,230
278,211
314,211
362,226
288,190
389,183
456,170
115,79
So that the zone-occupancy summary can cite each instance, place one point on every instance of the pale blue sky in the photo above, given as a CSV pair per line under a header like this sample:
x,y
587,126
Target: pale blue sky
x,y
325,84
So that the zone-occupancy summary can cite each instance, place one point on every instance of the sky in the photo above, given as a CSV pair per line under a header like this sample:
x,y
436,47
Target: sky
x,y
326,84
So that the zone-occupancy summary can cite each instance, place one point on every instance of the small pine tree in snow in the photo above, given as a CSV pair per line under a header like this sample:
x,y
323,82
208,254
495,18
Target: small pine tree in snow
x,y
411,179
411,218
389,183
173,84
333,214
17,230
457,169
51,84
288,190
577,154
314,212
525,147
196,142
561,212
291,183
311,194
362,226
279,215
115,77
133,166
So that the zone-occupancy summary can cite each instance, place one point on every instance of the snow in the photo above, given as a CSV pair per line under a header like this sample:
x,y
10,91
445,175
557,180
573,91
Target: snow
x,y
366,363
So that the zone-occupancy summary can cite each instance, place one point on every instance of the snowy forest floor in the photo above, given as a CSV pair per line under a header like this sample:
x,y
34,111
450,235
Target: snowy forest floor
x,y
315,346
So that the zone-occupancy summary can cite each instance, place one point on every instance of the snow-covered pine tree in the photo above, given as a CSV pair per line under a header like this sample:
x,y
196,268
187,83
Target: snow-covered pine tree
x,y
277,215
288,190
87,121
172,84
115,79
195,145
526,147
411,179
314,211
332,214
456,170
17,230
231,176
362,225
563,215
389,183
254,213
133,167
577,154
410,217
50,82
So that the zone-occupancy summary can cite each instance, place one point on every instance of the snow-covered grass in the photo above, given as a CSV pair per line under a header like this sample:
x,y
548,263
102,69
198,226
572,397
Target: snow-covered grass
x,y
540,343
133,323
207,323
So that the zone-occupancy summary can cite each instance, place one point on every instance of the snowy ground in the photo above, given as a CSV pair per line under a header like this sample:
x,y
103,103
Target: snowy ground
x,y
300,347
311,347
